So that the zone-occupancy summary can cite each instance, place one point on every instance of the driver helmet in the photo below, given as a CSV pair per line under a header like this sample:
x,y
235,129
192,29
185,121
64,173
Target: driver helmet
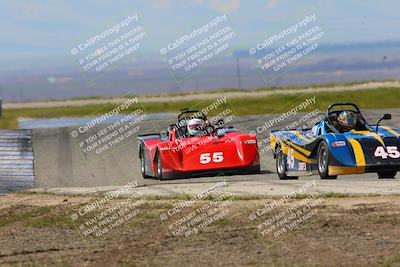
x,y
348,120
196,127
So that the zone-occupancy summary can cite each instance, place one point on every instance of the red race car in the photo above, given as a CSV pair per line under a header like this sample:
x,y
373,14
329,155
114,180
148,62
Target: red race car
x,y
193,147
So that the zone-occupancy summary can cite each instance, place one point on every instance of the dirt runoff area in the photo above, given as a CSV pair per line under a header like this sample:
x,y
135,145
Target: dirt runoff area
x,y
312,230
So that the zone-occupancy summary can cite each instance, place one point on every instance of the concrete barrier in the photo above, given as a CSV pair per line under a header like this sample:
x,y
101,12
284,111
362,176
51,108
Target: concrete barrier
x,y
60,162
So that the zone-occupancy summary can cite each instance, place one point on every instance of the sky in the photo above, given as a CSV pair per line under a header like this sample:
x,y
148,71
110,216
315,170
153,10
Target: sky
x,y
46,29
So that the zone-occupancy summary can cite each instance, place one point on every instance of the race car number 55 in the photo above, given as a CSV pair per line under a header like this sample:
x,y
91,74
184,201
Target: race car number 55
x,y
216,157
392,152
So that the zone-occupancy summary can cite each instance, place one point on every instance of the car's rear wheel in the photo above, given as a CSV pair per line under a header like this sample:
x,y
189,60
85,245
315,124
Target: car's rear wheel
x,y
281,166
159,167
387,174
143,163
323,161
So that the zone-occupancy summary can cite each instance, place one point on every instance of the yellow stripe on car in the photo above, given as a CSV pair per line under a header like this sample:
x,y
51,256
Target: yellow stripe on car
x,y
285,149
272,141
368,133
339,170
390,130
301,136
358,152
302,150
300,157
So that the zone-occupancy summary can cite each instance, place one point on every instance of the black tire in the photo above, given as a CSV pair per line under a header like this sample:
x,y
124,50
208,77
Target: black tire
x,y
256,170
143,163
159,173
323,161
387,174
281,166
251,170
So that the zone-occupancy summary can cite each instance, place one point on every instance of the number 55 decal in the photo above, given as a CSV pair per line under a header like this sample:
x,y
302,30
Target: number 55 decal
x,y
392,152
206,157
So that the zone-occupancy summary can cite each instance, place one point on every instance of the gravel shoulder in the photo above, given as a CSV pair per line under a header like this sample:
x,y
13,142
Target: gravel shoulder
x,y
37,230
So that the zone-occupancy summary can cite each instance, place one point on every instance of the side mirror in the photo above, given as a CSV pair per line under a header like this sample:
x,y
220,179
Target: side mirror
x,y
220,123
387,116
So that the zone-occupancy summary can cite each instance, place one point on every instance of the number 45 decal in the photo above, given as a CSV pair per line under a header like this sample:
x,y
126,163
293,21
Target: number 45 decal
x,y
216,157
392,152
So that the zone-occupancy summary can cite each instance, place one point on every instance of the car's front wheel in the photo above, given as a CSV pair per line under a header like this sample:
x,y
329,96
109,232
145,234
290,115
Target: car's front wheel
x,y
387,174
159,167
323,161
143,164
281,166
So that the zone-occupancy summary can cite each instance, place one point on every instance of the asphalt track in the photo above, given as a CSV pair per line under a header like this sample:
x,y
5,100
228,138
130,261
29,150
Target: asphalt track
x,y
60,164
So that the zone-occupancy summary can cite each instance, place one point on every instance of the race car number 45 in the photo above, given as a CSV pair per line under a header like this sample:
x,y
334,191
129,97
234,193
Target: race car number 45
x,y
392,152
216,157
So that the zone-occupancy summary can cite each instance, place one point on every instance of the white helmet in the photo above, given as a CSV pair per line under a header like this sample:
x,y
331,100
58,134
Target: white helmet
x,y
196,127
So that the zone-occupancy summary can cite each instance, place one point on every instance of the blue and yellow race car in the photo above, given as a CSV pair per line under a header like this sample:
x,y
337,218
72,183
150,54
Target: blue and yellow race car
x,y
341,143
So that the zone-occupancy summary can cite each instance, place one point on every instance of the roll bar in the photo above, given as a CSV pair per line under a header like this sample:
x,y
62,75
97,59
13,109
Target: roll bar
x,y
342,104
187,111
